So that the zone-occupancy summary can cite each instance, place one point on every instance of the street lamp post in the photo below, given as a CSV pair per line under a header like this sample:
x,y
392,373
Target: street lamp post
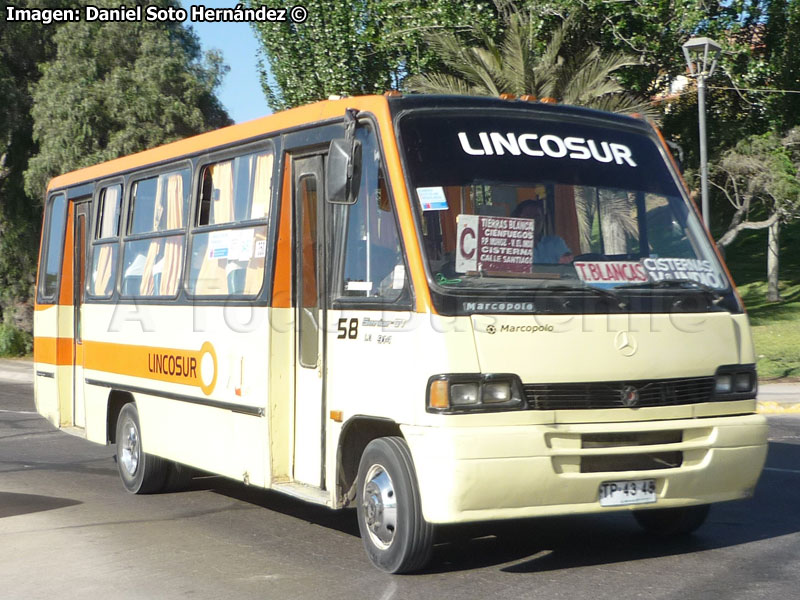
x,y
701,66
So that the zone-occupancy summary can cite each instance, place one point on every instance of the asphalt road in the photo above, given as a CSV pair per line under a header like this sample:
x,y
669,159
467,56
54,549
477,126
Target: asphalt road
x,y
69,530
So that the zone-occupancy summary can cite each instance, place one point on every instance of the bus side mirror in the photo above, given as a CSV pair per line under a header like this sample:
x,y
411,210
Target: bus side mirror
x,y
343,171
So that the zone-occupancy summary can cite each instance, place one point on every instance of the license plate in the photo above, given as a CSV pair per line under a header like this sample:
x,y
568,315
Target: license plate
x,y
620,493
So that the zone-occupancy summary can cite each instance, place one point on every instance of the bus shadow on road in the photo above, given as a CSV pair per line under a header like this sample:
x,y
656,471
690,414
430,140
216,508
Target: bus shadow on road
x,y
340,520
12,505
558,543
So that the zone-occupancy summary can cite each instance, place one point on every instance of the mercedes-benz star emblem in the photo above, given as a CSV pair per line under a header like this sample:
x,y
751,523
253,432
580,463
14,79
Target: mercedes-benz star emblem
x,y
625,343
629,396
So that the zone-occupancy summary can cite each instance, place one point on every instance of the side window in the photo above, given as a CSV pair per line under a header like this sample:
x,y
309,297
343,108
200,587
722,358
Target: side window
x,y
54,247
373,265
153,255
229,245
106,242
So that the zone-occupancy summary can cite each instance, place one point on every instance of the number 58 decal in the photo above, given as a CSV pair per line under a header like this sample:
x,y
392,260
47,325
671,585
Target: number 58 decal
x,y
347,330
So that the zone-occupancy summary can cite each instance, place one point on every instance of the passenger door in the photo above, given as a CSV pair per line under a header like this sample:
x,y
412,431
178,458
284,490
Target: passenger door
x,y
78,286
309,280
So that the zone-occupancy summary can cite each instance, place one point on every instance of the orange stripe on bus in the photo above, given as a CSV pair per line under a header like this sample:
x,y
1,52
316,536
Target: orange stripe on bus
x,y
172,365
282,286
52,351
44,350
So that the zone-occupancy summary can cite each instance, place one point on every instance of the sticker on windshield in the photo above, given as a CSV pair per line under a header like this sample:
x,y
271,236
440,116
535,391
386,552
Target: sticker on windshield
x,y
677,269
432,198
613,271
358,286
499,244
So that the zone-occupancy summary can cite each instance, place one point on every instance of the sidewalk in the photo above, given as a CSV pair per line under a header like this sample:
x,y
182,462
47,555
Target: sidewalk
x,y
773,398
779,398
16,370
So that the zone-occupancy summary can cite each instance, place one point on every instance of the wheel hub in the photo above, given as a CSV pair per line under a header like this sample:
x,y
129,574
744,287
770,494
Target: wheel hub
x,y
380,506
130,448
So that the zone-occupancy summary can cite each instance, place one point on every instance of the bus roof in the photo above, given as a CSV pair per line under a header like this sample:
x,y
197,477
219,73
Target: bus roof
x,y
307,115
295,117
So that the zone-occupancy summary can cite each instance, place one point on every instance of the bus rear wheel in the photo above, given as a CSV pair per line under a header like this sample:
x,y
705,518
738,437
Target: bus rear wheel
x,y
395,534
672,521
141,473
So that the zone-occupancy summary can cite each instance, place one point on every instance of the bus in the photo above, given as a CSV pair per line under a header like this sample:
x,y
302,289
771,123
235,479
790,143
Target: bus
x,y
434,309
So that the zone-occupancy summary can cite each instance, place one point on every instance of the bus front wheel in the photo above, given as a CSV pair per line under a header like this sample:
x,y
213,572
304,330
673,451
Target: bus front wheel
x,y
395,534
672,521
141,473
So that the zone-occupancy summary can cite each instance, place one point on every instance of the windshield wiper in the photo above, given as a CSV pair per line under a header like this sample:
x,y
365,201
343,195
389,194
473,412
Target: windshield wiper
x,y
714,295
601,292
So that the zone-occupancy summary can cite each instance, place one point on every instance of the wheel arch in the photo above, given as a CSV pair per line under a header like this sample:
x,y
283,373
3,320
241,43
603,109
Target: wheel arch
x,y
356,433
116,400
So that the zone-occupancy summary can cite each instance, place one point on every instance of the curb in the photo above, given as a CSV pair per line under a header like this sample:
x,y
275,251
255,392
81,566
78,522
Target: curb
x,y
775,408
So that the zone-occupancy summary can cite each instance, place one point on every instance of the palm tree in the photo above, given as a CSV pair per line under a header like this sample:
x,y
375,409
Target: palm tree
x,y
515,67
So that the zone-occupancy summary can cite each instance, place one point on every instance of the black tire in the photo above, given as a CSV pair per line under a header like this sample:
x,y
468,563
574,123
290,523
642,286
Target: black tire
x,y
141,473
395,534
179,477
669,522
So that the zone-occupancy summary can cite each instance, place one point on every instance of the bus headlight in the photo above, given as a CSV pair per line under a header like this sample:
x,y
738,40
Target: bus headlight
x,y
496,392
743,382
464,394
723,384
468,392
735,382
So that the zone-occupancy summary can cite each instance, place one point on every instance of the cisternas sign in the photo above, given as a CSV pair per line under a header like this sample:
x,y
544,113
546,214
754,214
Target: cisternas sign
x,y
499,244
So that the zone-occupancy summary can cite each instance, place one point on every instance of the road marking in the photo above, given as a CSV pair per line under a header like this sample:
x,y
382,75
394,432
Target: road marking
x,y
777,470
19,412
772,407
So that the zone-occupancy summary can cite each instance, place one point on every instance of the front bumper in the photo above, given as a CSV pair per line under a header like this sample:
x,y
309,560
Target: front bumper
x,y
512,471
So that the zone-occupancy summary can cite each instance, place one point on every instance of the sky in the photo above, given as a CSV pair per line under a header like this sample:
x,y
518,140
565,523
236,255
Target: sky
x,y
241,92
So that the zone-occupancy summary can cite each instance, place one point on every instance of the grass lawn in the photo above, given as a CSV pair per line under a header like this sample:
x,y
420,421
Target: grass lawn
x,y
776,329
776,325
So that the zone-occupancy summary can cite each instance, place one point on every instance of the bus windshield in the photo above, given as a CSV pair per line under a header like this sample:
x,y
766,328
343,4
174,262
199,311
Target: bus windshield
x,y
518,202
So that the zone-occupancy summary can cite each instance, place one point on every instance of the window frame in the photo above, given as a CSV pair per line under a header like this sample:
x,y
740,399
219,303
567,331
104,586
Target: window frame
x,y
337,301
267,145
41,297
98,242
126,237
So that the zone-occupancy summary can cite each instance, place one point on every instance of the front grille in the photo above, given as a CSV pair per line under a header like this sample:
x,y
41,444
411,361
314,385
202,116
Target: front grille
x,y
618,394
632,438
631,462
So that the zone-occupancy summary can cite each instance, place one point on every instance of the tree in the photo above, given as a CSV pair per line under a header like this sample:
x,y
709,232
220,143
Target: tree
x,y
78,93
363,47
516,66
759,177
117,88
22,47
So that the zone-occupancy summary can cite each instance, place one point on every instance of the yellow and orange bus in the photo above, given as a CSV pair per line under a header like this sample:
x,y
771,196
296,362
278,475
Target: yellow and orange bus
x,y
437,309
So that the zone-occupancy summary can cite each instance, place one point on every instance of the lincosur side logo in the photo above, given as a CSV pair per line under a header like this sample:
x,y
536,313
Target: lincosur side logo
x,y
577,148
